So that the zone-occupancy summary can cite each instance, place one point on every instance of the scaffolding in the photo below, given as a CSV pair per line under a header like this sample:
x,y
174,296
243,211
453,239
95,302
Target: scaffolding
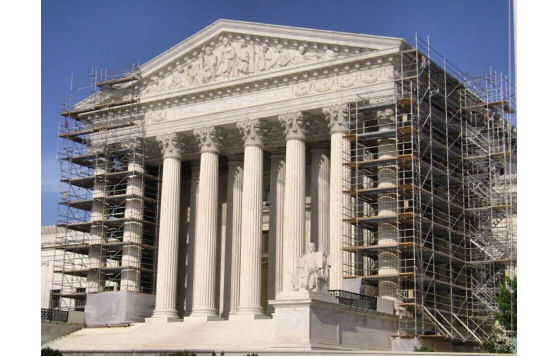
x,y
432,199
108,204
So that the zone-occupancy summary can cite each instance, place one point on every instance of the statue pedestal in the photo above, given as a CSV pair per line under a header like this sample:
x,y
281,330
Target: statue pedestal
x,y
300,296
305,320
308,320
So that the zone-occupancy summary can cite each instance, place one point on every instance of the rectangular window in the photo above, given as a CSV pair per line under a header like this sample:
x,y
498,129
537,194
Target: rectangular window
x,y
54,299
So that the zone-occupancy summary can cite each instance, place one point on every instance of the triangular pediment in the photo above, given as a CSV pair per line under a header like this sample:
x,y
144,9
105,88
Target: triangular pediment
x,y
230,52
227,50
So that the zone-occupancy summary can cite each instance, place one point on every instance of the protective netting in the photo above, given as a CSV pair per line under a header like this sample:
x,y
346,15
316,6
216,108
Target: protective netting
x,y
116,308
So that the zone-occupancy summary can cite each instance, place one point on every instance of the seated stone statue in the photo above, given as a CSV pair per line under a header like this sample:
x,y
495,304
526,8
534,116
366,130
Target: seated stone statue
x,y
311,271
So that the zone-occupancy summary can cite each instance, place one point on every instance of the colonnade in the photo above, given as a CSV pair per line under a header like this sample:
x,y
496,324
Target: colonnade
x,y
244,215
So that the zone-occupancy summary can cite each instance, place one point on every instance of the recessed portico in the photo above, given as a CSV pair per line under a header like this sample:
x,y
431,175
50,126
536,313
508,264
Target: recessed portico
x,y
271,105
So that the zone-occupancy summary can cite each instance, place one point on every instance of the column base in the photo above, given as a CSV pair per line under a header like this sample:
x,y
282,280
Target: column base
x,y
161,319
202,315
301,296
201,318
248,315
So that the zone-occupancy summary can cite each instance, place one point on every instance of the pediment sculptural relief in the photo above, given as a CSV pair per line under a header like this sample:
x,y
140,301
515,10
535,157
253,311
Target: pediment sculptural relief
x,y
233,57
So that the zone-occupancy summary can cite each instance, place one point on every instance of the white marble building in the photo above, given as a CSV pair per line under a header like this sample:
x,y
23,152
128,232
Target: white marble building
x,y
247,126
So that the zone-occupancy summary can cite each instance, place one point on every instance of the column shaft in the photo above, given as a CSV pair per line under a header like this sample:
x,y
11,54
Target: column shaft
x,y
233,228
277,183
182,244
166,281
251,231
190,255
204,275
338,172
320,195
294,210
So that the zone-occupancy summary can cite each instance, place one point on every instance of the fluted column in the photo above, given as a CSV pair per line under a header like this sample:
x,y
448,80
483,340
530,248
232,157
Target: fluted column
x,y
277,184
182,245
294,205
251,219
204,275
168,239
190,255
233,227
339,146
320,192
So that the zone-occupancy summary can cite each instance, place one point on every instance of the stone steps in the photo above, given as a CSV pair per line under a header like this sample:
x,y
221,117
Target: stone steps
x,y
213,335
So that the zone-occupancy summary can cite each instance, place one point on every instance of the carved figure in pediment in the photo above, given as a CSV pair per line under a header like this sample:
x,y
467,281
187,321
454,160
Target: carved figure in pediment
x,y
283,56
299,56
154,85
177,78
227,57
194,70
251,49
303,55
187,76
166,83
210,63
243,57
259,58
271,56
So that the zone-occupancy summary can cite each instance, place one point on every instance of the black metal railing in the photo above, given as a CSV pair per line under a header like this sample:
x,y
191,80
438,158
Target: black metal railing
x,y
355,301
54,315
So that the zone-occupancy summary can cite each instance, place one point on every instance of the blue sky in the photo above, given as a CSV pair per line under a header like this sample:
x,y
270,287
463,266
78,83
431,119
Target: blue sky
x,y
75,35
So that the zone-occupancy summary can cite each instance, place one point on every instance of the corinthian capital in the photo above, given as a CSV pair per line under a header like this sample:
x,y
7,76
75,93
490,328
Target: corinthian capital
x,y
169,146
336,115
252,132
209,139
294,125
